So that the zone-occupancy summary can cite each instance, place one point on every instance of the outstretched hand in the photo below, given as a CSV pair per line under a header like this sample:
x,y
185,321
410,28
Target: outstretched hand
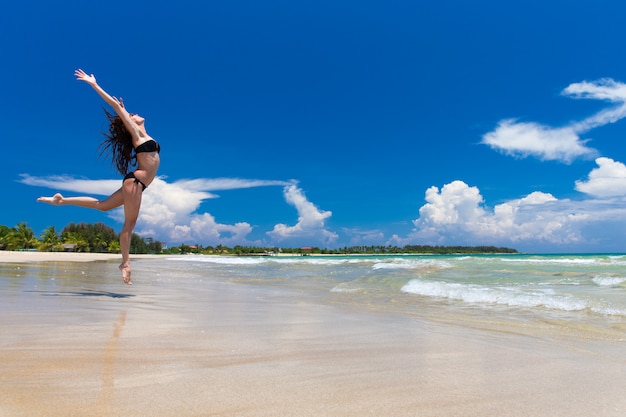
x,y
90,79
83,76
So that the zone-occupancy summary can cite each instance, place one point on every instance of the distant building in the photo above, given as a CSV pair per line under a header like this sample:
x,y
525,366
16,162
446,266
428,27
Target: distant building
x,y
69,247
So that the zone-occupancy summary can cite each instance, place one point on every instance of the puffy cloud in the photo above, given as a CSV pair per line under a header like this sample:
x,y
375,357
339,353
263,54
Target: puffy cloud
x,y
169,211
537,217
563,144
203,227
608,180
310,220
540,217
455,215
457,203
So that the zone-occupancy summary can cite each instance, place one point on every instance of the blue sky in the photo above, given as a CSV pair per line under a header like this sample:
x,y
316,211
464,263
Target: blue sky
x,y
328,123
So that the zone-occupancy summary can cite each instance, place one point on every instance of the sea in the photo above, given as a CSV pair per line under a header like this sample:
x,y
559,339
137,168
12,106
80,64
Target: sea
x,y
562,295
574,295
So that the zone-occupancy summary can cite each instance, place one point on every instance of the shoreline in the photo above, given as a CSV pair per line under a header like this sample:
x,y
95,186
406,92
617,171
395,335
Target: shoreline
x,y
36,256
32,256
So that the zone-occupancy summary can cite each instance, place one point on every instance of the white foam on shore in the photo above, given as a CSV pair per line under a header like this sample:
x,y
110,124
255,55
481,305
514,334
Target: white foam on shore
x,y
393,263
568,261
608,281
407,263
222,260
258,260
563,284
509,296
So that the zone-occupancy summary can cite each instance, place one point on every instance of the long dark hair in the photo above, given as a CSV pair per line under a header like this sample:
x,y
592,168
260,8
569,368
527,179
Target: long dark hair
x,y
118,143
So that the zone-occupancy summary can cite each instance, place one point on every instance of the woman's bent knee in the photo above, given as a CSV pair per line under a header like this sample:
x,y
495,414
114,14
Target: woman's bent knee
x,y
103,205
129,224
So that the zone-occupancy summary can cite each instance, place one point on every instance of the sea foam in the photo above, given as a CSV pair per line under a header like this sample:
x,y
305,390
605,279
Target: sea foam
x,y
510,296
608,281
399,263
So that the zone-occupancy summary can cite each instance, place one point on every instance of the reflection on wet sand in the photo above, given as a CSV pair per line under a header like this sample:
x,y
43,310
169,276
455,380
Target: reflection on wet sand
x,y
85,293
108,364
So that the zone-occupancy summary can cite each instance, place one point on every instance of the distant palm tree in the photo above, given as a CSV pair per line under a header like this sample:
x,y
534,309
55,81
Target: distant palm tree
x,y
80,244
6,237
24,236
114,247
50,240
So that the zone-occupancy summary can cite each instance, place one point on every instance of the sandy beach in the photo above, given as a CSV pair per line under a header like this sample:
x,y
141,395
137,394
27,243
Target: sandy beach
x,y
27,257
75,341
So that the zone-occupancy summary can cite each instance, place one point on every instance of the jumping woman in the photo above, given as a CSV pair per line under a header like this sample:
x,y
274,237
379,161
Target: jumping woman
x,y
127,132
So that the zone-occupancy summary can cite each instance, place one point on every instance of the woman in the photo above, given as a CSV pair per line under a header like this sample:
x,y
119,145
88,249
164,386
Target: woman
x,y
127,132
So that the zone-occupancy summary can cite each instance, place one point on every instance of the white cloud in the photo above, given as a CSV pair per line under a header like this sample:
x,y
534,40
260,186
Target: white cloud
x,y
206,230
457,203
539,217
220,184
67,183
169,211
532,139
310,220
456,215
608,180
563,144
603,89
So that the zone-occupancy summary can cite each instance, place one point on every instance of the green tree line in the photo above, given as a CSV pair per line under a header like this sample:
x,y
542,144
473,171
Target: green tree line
x,y
348,250
80,237
101,238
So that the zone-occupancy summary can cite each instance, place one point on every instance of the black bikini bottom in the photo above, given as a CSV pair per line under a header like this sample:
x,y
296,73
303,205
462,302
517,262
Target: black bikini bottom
x,y
137,181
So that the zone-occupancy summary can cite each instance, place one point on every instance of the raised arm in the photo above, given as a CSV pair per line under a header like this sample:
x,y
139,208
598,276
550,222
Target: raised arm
x,y
117,105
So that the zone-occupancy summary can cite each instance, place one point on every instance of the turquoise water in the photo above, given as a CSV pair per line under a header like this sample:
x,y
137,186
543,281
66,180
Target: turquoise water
x,y
563,295
594,284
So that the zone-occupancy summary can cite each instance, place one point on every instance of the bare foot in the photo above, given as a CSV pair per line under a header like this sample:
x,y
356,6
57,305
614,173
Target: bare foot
x,y
125,273
55,200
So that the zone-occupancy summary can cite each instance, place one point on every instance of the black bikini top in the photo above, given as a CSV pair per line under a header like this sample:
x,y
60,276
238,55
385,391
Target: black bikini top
x,y
150,145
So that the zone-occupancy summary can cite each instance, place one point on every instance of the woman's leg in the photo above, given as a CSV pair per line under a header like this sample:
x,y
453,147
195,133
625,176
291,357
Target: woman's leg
x,y
131,191
114,200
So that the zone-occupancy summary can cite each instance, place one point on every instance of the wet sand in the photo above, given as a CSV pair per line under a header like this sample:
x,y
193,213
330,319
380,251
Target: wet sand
x,y
76,341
